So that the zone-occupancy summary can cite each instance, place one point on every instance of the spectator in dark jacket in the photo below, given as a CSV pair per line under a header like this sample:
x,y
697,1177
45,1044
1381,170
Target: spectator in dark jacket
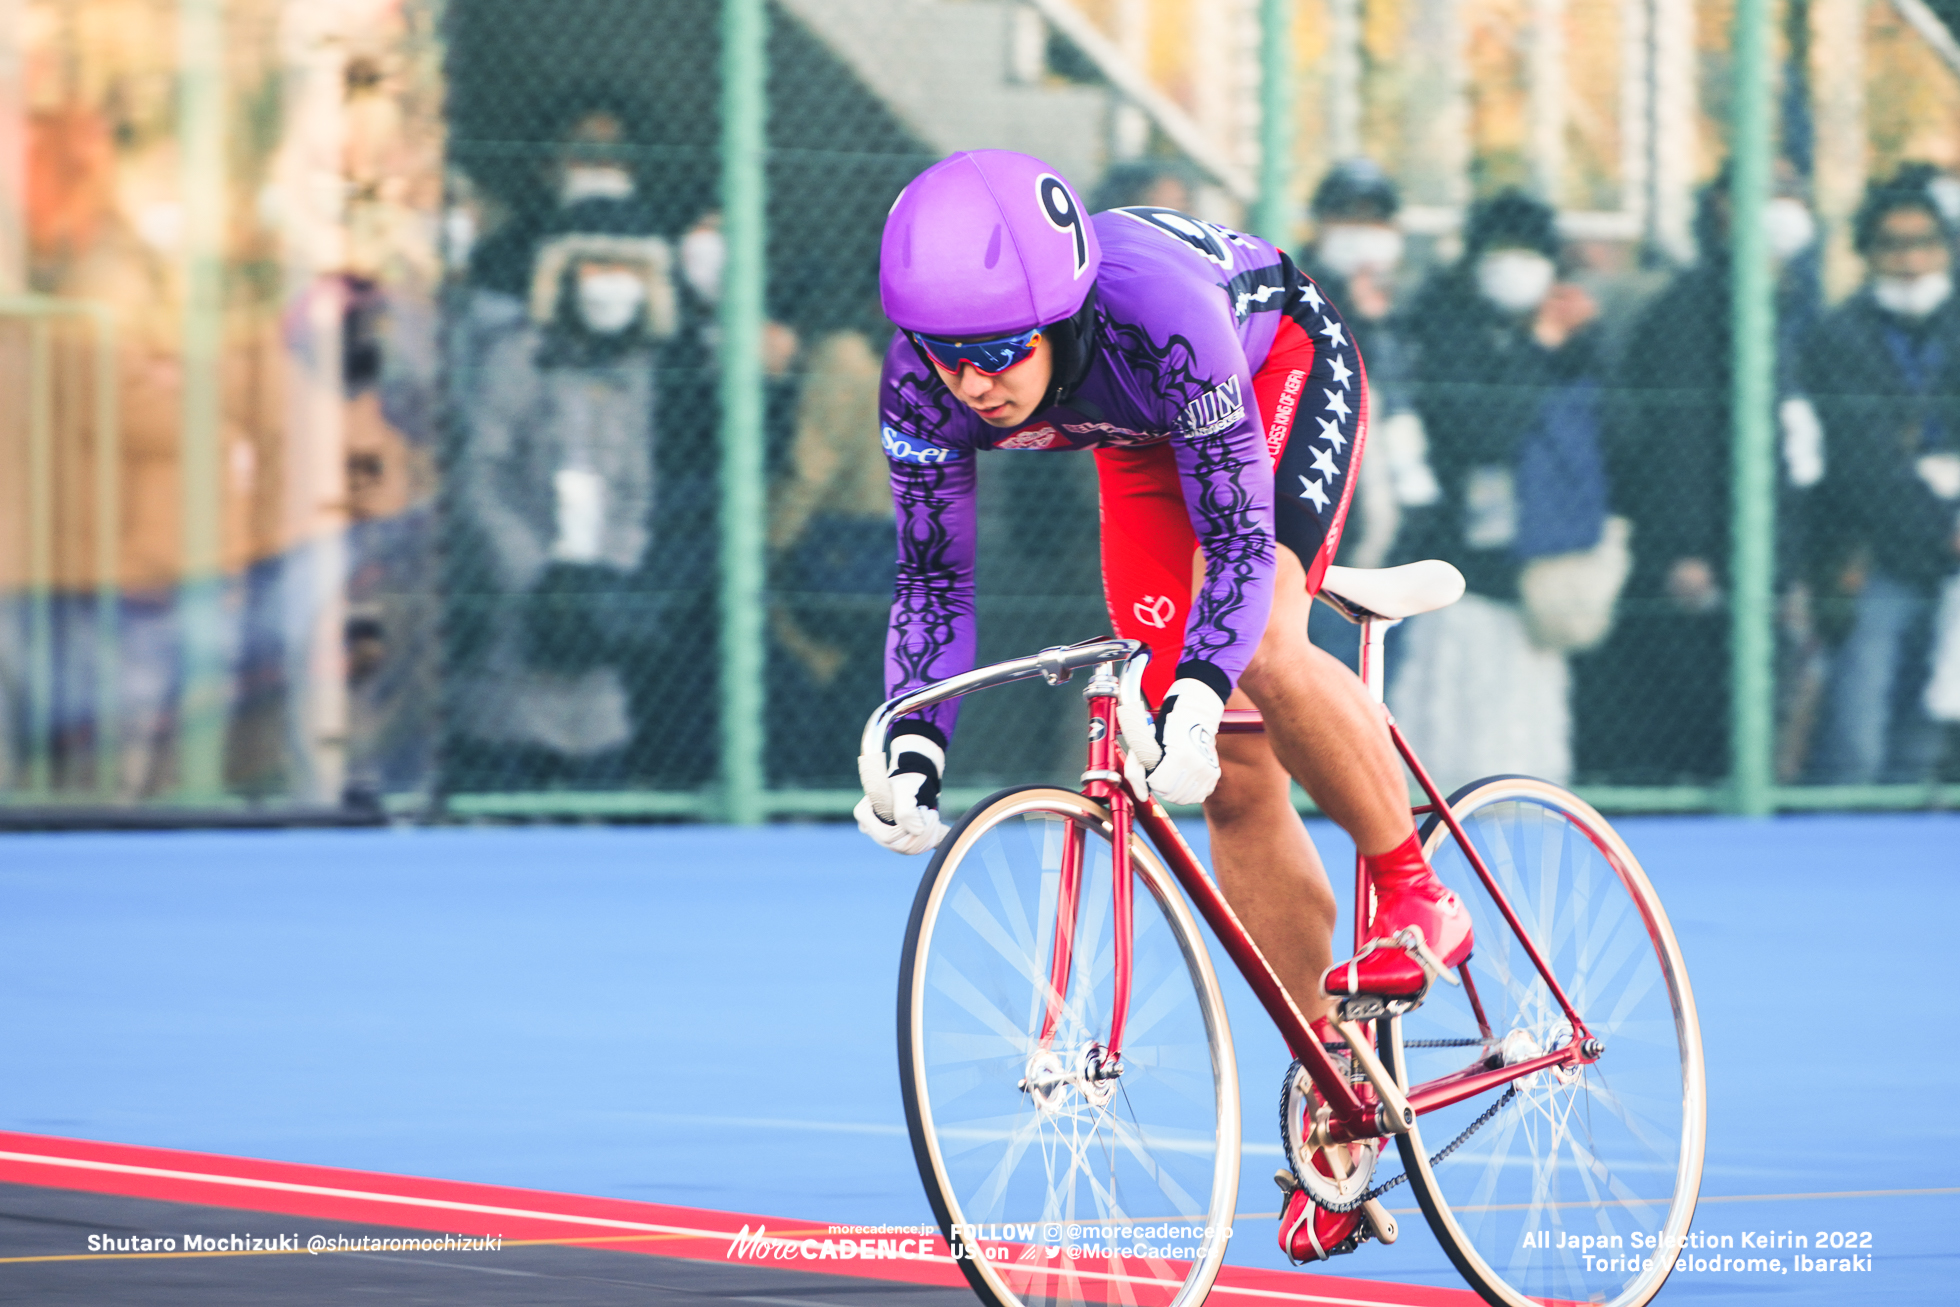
x,y
1354,258
1504,371
1655,701
1884,372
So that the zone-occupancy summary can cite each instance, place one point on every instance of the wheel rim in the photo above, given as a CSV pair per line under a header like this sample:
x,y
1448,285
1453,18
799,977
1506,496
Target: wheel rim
x,y
1578,1185
1123,1179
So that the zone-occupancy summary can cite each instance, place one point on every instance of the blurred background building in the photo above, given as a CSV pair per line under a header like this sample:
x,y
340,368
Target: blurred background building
x,y
366,440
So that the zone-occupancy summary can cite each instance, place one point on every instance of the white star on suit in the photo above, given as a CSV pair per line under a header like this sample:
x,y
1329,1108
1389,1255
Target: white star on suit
x,y
1341,371
1323,461
1330,431
1336,402
1311,294
1333,331
1314,492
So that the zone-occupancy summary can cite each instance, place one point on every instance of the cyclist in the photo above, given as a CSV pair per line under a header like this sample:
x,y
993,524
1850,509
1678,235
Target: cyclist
x,y
1228,410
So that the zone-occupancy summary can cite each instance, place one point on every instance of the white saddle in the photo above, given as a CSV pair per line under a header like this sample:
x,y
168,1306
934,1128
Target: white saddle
x,y
1391,593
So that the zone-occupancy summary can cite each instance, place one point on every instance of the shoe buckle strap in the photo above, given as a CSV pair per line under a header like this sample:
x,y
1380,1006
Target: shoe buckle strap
x,y
1410,940
1306,1214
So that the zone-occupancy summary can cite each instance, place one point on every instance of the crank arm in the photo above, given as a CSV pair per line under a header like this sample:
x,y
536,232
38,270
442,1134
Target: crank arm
x,y
1395,1116
1379,1220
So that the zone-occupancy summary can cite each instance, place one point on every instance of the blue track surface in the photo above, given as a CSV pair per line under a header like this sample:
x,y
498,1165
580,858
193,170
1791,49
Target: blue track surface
x,y
705,1016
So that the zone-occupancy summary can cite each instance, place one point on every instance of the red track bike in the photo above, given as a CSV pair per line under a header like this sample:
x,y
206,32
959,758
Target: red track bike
x,y
1068,1074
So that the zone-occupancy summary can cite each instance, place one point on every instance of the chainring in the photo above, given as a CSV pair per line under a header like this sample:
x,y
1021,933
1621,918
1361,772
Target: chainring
x,y
1299,1106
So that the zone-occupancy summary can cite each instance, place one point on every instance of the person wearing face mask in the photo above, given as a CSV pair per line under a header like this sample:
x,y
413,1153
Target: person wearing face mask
x,y
1884,372
1653,704
1504,371
557,485
1356,256
587,185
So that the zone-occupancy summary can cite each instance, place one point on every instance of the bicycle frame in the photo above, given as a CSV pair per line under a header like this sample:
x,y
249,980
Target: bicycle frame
x,y
1351,1117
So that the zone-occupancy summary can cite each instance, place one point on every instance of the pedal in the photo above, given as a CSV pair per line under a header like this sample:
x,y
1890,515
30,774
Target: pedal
x,y
1287,1183
1362,1007
1378,1221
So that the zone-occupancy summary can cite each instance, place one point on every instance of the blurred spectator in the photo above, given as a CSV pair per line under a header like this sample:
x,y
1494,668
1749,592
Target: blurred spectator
x,y
1884,372
831,535
557,479
1656,698
679,700
1149,183
589,187
389,633
1504,369
1355,256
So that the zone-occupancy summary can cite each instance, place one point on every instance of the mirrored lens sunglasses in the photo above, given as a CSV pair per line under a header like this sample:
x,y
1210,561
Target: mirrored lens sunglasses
x,y
989,358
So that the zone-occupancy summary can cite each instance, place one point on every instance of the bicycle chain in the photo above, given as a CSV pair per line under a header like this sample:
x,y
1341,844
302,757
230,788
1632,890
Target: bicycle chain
x,y
1440,1154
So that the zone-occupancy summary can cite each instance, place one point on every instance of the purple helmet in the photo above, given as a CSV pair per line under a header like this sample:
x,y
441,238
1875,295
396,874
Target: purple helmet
x,y
985,243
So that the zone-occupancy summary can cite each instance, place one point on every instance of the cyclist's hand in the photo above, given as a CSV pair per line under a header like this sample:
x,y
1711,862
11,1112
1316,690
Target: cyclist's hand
x,y
1187,733
900,807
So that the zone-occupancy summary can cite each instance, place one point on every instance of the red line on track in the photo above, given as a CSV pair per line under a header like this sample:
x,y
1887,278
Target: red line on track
x,y
458,1207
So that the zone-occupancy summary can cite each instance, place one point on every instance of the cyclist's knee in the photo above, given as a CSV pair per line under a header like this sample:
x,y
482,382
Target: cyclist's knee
x,y
1287,656
1250,780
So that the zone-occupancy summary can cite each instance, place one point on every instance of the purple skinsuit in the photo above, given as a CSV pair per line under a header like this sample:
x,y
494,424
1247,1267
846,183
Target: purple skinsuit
x,y
1187,312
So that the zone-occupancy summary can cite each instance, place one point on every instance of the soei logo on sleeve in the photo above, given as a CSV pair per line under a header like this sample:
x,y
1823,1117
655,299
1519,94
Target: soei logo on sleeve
x,y
910,449
1155,610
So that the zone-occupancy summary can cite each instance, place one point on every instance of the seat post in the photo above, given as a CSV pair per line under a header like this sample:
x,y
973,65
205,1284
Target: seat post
x,y
1373,665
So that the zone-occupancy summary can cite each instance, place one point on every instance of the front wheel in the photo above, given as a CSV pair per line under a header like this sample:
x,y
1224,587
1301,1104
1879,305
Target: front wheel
x,y
1571,1185
1055,1182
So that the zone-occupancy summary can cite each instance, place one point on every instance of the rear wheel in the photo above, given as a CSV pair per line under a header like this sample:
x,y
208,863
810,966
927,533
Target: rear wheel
x,y
1054,1185
1569,1185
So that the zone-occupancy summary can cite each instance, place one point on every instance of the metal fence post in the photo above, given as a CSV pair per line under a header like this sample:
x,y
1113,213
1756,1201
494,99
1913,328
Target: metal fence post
x,y
108,557
40,556
1753,520
1274,216
200,612
744,72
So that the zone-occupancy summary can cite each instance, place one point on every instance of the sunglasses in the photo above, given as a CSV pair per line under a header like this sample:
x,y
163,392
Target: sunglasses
x,y
989,358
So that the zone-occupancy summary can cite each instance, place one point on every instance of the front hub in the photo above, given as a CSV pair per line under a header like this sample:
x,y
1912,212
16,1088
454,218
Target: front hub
x,y
1053,1074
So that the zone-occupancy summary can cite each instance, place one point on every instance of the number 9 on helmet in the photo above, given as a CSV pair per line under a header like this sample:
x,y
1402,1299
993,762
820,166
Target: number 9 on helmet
x,y
986,243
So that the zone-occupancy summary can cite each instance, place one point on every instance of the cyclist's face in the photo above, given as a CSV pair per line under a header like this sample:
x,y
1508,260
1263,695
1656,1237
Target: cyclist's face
x,y
1009,399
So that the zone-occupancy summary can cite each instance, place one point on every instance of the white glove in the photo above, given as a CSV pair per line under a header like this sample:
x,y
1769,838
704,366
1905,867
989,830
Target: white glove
x,y
1181,755
900,807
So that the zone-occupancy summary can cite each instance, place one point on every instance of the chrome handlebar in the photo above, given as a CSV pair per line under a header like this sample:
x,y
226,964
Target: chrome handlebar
x,y
1052,665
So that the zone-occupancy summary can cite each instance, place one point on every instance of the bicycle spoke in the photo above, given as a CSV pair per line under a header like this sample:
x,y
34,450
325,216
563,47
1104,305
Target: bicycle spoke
x,y
1595,1149
1020,1134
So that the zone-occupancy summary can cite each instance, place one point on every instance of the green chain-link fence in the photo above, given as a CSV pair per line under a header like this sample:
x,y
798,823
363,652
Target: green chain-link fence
x,y
498,384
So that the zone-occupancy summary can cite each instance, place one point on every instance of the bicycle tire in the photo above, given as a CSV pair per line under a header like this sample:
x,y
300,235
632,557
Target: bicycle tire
x,y
1581,1186
1149,1168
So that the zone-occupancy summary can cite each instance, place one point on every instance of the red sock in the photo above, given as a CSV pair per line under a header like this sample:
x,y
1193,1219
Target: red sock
x,y
1401,866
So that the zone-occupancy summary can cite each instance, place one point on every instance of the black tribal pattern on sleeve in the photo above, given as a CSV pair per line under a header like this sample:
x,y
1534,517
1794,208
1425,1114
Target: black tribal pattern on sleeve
x,y
1239,555
1220,458
932,627
919,404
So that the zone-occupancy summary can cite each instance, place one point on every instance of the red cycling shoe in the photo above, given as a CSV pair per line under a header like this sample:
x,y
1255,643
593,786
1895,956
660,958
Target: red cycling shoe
x,y
1309,1232
1421,930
